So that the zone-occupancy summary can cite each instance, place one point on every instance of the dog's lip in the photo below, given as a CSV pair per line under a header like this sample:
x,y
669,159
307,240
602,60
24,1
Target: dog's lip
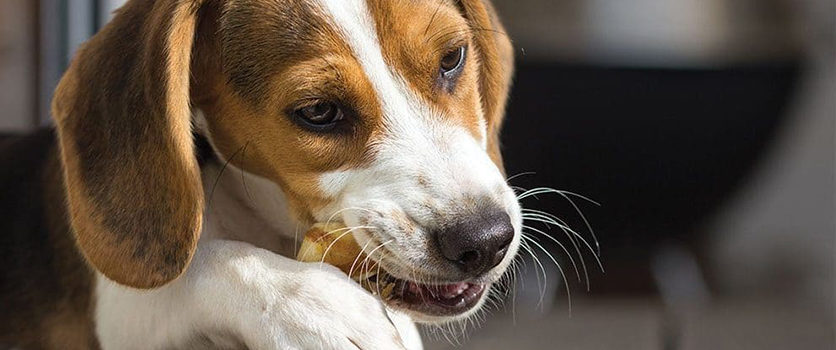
x,y
438,300
445,299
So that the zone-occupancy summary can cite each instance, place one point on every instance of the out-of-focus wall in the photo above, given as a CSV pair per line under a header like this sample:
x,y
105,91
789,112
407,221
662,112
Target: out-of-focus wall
x,y
777,237
651,32
107,8
17,65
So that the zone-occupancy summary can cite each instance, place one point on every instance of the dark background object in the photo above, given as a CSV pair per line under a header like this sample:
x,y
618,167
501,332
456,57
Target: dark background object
x,y
659,149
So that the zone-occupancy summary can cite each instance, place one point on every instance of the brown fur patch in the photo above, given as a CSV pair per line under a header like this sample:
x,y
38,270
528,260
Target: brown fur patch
x,y
496,69
122,111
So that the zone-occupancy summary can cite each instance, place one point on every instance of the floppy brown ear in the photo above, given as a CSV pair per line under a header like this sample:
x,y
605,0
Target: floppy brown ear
x,y
123,118
496,66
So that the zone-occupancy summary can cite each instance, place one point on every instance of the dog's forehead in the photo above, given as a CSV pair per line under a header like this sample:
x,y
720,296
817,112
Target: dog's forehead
x,y
262,37
259,38
397,44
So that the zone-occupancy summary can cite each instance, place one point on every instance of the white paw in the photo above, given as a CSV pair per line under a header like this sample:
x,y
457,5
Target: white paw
x,y
318,307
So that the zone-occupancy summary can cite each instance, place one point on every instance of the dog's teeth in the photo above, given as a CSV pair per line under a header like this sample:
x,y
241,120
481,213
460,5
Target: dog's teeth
x,y
452,291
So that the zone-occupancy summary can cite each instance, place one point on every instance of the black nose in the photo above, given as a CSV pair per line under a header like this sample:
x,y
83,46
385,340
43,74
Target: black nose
x,y
478,243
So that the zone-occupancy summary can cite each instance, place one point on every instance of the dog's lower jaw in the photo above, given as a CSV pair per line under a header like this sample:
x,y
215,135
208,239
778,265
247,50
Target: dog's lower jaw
x,y
485,283
439,319
423,304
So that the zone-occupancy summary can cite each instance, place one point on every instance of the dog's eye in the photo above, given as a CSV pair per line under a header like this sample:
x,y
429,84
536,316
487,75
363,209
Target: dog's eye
x,y
321,115
452,62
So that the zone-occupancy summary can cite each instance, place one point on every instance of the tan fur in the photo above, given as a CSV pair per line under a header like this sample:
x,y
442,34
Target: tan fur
x,y
497,67
133,186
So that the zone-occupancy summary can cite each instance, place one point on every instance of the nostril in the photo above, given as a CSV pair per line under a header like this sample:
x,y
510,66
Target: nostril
x,y
500,254
507,242
469,260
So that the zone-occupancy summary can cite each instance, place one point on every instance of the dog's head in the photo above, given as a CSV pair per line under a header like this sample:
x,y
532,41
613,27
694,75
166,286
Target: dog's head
x,y
382,114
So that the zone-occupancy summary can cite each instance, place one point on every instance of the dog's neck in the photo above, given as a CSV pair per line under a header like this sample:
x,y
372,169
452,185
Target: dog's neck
x,y
245,207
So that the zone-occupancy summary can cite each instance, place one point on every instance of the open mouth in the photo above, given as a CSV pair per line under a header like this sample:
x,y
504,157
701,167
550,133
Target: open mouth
x,y
423,299
430,299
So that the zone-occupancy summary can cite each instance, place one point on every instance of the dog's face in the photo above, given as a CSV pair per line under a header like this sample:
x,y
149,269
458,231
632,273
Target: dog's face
x,y
371,113
380,114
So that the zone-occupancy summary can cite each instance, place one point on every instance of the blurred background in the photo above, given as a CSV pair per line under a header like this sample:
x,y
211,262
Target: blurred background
x,y
696,137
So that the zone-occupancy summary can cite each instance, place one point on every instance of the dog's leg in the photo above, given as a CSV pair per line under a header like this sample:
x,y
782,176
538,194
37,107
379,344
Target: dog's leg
x,y
261,299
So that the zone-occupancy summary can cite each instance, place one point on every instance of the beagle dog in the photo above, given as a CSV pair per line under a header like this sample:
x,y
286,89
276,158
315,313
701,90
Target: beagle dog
x,y
196,140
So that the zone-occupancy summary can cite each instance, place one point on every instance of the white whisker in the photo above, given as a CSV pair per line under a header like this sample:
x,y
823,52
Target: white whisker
x,y
520,174
349,230
541,286
328,222
554,220
356,259
569,255
565,195
559,268
546,218
571,239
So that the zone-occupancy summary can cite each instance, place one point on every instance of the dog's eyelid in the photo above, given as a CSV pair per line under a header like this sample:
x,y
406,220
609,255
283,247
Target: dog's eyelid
x,y
457,42
451,38
307,102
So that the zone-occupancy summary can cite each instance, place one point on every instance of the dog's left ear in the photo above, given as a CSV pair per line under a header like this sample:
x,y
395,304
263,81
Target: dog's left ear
x,y
497,66
122,111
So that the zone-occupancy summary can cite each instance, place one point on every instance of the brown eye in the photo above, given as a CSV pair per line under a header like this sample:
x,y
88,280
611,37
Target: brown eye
x,y
452,62
321,115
